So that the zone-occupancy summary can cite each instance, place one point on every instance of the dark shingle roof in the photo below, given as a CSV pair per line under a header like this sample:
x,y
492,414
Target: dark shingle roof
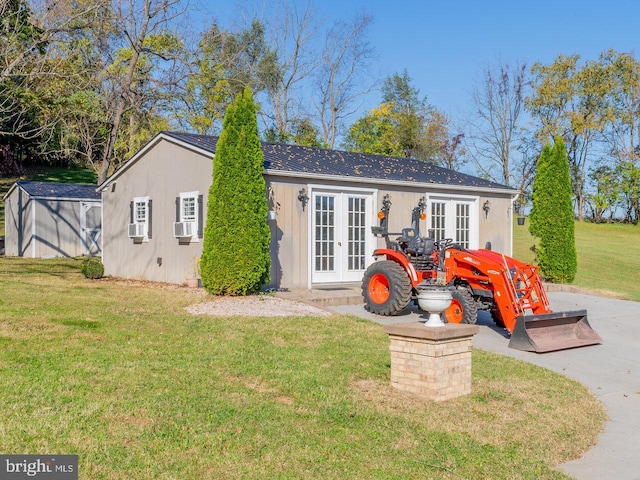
x,y
59,190
318,161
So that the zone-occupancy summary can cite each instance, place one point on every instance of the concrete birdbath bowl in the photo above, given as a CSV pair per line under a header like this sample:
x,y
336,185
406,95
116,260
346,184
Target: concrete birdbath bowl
x,y
434,300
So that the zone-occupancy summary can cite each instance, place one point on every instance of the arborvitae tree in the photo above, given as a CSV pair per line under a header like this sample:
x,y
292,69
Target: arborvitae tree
x,y
539,209
235,254
551,218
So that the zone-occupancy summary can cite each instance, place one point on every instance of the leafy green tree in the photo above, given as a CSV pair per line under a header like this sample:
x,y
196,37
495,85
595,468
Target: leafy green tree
x,y
623,134
410,115
226,62
303,132
405,125
607,194
629,177
540,208
39,71
551,218
375,133
20,51
235,254
144,64
570,100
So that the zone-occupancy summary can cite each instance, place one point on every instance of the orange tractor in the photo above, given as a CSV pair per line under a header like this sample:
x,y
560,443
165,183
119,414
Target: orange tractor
x,y
510,290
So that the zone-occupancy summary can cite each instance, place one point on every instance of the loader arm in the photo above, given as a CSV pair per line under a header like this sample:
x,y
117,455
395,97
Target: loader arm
x,y
520,300
516,286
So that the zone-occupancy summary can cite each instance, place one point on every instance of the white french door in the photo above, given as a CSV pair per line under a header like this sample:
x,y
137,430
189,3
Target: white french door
x,y
454,218
341,236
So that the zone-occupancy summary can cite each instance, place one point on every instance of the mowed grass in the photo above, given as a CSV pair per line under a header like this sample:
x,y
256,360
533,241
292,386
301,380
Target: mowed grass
x,y
120,374
608,257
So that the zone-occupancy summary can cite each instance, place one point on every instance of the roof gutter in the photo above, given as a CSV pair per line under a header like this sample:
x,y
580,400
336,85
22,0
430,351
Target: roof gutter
x,y
279,173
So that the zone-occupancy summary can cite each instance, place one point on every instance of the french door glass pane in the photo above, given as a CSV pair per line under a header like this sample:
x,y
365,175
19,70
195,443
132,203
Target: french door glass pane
x,y
462,224
356,234
438,220
325,234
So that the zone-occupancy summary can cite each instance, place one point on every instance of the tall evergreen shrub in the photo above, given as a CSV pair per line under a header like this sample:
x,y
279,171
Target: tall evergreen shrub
x,y
551,219
235,254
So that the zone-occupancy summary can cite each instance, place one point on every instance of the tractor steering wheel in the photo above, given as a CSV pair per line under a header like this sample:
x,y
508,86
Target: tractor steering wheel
x,y
444,243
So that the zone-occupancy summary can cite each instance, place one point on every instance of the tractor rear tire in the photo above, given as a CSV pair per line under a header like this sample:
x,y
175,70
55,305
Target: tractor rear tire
x,y
386,288
463,307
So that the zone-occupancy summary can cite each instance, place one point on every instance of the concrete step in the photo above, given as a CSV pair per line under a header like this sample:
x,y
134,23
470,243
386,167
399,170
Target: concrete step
x,y
325,295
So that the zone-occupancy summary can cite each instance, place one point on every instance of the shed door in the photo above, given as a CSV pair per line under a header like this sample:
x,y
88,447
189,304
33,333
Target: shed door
x,y
340,236
91,228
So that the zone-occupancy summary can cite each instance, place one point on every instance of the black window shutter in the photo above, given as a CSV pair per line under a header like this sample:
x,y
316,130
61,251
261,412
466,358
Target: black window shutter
x,y
131,212
149,219
177,209
200,216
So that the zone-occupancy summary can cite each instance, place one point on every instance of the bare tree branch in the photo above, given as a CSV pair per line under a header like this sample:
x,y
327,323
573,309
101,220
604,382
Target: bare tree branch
x,y
342,74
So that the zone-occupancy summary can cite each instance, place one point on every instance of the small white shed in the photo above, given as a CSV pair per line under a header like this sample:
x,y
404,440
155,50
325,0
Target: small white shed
x,y
49,219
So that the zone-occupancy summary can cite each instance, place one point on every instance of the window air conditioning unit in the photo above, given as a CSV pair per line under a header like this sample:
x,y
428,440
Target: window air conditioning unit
x,y
137,230
183,229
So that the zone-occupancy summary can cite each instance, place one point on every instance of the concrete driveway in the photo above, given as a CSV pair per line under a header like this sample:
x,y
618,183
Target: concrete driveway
x,y
610,370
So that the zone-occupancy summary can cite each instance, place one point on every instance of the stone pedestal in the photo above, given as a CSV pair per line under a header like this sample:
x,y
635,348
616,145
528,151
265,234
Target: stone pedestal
x,y
432,362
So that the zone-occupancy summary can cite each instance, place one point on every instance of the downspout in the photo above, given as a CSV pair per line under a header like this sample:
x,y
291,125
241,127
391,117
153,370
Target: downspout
x,y
513,200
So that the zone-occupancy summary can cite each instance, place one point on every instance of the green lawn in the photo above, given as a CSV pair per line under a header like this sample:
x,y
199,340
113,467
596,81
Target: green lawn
x,y
121,375
608,257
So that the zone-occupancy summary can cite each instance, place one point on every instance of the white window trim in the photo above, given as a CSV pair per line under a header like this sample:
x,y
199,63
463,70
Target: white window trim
x,y
474,220
144,200
195,227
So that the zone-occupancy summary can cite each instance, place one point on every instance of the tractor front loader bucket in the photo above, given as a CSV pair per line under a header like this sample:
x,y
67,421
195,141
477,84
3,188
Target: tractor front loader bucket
x,y
549,332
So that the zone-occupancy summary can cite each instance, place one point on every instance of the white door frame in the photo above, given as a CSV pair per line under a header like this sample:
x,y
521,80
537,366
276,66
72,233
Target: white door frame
x,y
450,217
340,274
91,238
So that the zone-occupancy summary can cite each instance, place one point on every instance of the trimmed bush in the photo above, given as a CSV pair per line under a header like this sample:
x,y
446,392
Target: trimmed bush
x,y
551,218
92,268
235,252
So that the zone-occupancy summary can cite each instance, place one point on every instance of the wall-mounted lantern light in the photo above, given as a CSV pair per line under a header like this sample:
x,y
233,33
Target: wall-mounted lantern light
x,y
303,197
486,207
272,203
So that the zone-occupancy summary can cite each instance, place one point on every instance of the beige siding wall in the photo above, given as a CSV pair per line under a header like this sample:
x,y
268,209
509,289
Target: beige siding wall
x,y
161,174
17,224
290,233
289,236
496,227
57,229
168,169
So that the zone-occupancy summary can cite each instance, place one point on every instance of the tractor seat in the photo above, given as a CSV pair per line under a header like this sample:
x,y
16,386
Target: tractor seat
x,y
415,244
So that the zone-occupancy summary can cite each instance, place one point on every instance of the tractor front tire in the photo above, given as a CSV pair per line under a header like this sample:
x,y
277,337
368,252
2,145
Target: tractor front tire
x,y
386,288
463,308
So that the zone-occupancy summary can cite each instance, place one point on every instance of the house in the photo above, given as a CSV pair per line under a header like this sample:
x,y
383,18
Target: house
x,y
48,219
323,204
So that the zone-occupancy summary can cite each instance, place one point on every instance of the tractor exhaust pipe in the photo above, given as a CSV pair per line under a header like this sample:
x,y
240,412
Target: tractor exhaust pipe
x,y
549,332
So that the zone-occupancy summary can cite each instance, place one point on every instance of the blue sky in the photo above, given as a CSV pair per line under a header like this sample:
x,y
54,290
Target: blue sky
x,y
445,44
